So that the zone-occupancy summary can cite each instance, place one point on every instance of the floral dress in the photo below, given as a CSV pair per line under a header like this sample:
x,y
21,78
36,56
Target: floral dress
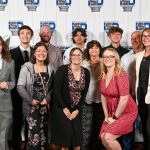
x,y
38,119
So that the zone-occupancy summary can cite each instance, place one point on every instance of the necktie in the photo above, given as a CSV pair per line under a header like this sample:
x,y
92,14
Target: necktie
x,y
26,56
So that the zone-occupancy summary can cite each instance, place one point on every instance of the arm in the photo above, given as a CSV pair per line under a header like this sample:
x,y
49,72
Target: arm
x,y
104,105
58,87
10,84
21,86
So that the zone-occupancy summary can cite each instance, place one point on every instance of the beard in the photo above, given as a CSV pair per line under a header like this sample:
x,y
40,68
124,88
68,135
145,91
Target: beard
x,y
45,39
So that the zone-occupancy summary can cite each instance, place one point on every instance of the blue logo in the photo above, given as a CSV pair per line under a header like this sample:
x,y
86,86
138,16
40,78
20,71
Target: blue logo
x,y
127,5
3,4
50,24
109,24
95,5
14,26
31,4
140,25
63,4
82,25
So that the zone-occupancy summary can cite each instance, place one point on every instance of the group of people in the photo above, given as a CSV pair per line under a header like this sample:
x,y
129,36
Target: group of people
x,y
88,99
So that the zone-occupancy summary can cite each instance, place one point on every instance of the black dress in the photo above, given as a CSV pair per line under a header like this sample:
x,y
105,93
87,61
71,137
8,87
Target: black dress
x,y
66,133
38,118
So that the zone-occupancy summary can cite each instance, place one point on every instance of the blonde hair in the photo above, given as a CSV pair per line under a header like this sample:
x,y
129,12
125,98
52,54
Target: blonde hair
x,y
117,70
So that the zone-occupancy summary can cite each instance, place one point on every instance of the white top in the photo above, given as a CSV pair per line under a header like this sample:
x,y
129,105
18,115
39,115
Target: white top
x,y
23,49
1,61
93,94
128,64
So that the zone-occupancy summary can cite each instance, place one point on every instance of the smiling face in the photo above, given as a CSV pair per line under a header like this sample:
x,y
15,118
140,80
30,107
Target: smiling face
x,y
146,38
79,38
45,34
76,57
109,58
115,37
94,51
41,54
25,36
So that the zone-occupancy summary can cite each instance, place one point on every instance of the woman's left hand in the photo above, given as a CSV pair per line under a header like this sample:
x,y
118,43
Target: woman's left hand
x,y
3,85
74,114
44,102
110,120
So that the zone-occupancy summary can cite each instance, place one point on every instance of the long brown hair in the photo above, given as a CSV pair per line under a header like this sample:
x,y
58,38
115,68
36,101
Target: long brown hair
x,y
5,52
145,30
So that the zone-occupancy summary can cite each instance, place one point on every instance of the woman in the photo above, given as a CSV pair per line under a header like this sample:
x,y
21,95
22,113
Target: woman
x,y
34,86
92,108
119,108
7,82
142,85
70,87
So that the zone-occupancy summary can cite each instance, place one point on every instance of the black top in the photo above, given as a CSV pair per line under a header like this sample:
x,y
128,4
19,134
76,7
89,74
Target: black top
x,y
121,51
144,72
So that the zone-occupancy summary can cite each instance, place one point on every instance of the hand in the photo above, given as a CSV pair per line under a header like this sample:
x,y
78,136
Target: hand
x,y
4,85
110,120
35,102
44,102
74,114
67,112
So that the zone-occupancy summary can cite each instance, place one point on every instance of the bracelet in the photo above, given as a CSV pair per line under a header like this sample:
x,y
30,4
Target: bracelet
x,y
114,117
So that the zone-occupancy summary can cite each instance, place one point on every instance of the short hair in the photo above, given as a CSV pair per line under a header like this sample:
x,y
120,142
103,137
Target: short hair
x,y
72,50
113,29
5,52
25,27
90,44
83,32
33,59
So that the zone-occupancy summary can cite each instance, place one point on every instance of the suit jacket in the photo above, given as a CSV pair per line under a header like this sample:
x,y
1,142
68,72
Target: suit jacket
x,y
7,74
17,56
55,56
139,57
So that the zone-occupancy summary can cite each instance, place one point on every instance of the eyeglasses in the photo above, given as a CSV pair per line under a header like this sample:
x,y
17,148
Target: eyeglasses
x,y
109,57
74,55
145,36
41,51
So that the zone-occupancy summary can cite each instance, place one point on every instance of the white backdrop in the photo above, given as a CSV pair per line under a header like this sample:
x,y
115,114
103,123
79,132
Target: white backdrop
x,y
96,16
63,15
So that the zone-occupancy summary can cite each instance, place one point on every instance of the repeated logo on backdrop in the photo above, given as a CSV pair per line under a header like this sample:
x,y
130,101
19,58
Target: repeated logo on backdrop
x,y
127,5
14,26
108,24
82,25
50,24
31,4
63,4
3,4
140,25
95,5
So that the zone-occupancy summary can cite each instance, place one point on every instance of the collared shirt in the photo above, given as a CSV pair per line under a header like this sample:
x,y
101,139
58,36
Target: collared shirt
x,y
27,49
66,58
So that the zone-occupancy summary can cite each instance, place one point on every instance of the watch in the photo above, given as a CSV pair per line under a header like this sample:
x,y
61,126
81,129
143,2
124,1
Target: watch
x,y
114,117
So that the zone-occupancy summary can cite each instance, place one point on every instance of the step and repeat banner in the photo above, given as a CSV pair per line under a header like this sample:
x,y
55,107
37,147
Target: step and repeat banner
x,y
63,16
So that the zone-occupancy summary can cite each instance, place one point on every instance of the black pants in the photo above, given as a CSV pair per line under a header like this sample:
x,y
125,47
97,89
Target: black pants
x,y
144,112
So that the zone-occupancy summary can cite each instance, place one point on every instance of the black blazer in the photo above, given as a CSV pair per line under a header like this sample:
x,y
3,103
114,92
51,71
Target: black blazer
x,y
17,56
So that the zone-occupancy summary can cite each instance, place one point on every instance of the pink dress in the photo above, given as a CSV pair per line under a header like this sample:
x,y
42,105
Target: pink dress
x,y
118,86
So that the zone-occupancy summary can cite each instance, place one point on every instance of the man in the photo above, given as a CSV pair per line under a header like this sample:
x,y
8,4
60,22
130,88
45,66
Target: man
x,y
79,38
20,55
128,63
115,36
55,55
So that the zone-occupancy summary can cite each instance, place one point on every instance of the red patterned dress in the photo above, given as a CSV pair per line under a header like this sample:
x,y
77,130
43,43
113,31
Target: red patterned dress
x,y
118,86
